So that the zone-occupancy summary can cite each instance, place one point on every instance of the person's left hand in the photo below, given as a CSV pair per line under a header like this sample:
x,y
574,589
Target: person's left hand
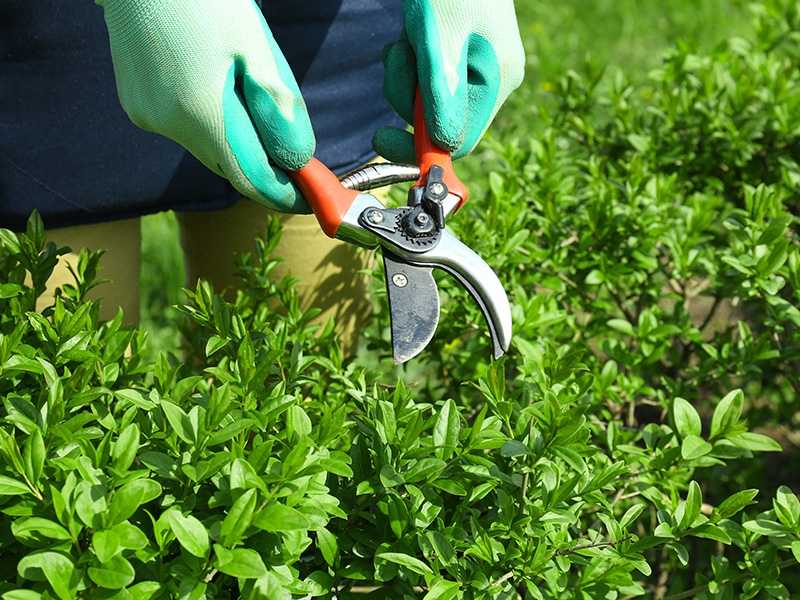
x,y
467,58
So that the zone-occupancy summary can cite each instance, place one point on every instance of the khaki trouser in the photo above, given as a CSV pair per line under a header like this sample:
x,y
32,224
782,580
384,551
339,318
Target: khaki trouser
x,y
328,271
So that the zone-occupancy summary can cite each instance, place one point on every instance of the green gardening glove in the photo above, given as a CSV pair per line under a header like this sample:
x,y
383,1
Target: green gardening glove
x,y
466,56
209,75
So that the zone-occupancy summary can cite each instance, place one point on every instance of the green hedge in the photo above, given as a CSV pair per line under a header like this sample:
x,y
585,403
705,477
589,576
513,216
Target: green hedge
x,y
625,447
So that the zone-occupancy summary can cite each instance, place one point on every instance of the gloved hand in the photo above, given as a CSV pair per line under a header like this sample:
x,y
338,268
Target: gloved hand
x,y
467,56
209,75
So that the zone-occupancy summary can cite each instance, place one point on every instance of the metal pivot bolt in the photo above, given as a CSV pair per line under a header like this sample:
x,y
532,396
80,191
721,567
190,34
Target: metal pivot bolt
x,y
437,189
375,216
400,280
422,219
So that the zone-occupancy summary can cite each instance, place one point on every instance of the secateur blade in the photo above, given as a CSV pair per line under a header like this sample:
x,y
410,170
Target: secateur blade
x,y
413,306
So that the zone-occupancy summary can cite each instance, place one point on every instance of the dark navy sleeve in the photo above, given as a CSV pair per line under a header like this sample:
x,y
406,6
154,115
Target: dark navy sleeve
x,y
68,150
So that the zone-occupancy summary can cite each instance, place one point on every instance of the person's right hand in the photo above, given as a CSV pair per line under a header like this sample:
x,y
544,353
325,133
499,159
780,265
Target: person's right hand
x,y
209,75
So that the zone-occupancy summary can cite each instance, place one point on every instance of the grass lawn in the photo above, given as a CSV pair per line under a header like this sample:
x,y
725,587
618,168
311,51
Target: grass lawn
x,y
559,35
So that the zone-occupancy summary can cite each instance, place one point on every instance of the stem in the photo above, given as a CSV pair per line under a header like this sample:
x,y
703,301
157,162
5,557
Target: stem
x,y
711,312
620,305
502,579
369,589
210,576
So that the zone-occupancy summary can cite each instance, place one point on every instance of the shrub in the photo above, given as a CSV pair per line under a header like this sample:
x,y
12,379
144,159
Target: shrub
x,y
648,241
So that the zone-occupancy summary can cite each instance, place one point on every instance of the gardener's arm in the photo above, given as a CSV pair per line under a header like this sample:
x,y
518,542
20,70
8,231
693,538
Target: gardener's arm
x,y
210,76
467,58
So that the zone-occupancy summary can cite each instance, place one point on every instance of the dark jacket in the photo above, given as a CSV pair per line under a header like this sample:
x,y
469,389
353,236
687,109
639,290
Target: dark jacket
x,y
68,149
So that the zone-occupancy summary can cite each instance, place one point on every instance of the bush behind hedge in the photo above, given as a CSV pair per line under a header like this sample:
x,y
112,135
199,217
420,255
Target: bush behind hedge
x,y
623,448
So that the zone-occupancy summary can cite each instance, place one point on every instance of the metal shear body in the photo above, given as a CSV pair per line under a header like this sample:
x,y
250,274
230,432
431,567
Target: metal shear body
x,y
414,240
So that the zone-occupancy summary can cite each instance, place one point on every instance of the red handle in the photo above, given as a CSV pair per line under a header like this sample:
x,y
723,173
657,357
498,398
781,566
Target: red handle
x,y
328,198
429,154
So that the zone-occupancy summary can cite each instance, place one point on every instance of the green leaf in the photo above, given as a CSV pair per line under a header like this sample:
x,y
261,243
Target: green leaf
x,y
390,477
622,326
444,551
514,448
766,527
215,344
238,518
386,423
640,142
446,430
134,397
190,532
240,562
796,550
297,421
727,413
130,497
595,277
179,421
58,570
129,536
328,545
105,544
775,229
91,505
244,476
9,239
21,595
398,515
711,532
450,486
126,447
631,515
442,590
687,421
756,442
33,455
694,447
787,507
12,487
279,517
404,560
694,500
270,587
38,530
115,574
736,502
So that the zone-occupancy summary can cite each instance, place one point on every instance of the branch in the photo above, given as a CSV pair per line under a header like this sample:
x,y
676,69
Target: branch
x,y
711,312
369,589
620,305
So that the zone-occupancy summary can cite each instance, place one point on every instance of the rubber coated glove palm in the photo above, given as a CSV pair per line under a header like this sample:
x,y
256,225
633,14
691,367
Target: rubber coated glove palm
x,y
209,75
467,57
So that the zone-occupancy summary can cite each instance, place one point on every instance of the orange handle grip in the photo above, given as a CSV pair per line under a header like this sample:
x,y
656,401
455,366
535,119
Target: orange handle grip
x,y
328,198
429,154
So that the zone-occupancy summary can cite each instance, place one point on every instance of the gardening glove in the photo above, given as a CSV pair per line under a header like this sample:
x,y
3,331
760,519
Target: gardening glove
x,y
209,75
466,56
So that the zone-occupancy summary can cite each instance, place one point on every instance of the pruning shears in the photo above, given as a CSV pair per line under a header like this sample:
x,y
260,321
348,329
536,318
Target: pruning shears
x,y
414,239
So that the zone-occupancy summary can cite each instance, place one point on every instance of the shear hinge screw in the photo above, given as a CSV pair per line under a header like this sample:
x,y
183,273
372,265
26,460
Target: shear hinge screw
x,y
375,216
400,280
436,188
422,219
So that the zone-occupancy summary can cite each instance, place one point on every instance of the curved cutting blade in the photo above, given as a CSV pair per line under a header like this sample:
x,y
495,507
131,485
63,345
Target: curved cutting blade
x,y
477,277
413,305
